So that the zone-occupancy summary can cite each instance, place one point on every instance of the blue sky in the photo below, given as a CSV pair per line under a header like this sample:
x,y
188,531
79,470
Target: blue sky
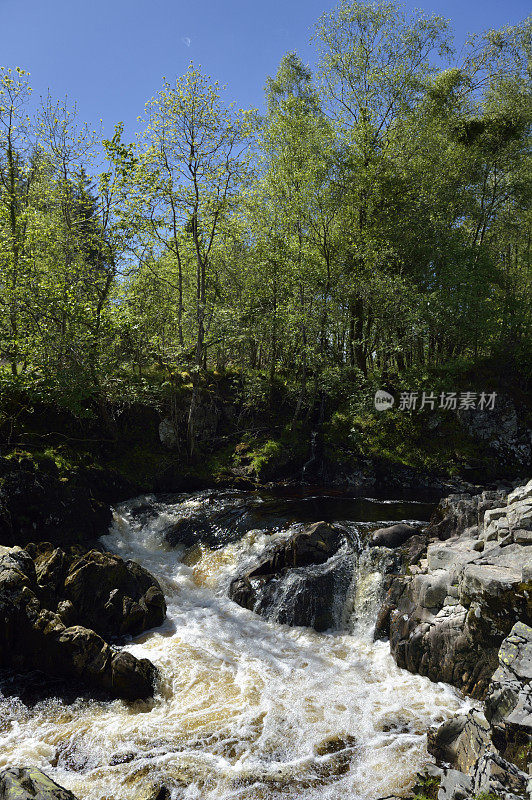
x,y
110,55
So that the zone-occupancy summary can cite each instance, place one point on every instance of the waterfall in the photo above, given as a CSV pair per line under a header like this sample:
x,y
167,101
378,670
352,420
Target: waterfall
x,y
313,596
366,592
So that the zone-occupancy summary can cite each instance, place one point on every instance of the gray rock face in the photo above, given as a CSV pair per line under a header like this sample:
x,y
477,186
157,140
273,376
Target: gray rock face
x,y
29,783
492,777
503,432
455,786
34,637
464,615
509,698
459,512
448,621
469,744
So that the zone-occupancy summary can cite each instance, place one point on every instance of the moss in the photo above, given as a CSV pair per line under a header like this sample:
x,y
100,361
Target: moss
x,y
271,457
519,751
425,788
487,796
61,461
433,442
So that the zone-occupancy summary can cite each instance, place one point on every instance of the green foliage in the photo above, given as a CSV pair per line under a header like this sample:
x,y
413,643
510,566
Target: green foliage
x,y
426,788
264,460
373,226
432,441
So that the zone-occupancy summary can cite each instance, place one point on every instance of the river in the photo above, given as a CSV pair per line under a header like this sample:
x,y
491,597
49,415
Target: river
x,y
247,709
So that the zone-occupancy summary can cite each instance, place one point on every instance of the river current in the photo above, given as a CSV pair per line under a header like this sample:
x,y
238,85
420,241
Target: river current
x,y
247,709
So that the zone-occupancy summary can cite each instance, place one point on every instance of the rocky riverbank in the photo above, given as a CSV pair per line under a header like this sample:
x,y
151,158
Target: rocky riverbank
x,y
64,604
462,613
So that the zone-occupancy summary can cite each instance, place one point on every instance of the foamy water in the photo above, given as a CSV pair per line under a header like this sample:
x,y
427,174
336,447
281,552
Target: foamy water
x,y
246,708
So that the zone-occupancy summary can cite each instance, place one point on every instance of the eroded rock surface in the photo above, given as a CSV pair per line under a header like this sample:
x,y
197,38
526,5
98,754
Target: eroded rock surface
x,y
509,698
447,617
463,614
35,633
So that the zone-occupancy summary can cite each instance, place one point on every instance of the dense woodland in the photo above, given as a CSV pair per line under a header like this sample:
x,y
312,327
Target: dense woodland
x,y
372,225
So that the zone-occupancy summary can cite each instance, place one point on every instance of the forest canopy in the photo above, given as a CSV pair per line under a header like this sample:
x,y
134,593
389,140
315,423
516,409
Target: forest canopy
x,y
375,220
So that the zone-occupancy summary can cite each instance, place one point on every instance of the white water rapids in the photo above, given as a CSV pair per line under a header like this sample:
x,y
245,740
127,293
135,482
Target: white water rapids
x,y
247,709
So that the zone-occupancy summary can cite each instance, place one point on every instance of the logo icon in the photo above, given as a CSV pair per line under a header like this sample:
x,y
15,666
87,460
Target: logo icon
x,y
383,400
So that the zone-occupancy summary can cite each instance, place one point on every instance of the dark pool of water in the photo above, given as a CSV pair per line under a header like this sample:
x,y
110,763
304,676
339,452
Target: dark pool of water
x,y
333,508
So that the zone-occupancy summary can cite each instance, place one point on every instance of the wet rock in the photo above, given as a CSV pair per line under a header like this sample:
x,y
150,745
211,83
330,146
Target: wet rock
x,y
489,776
154,793
312,596
29,783
335,755
187,532
413,550
132,678
313,545
463,612
300,581
113,596
51,565
98,590
216,528
393,536
33,637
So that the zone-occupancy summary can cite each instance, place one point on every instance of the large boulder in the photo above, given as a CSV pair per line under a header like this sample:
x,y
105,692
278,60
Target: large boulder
x,y
33,637
300,581
98,589
29,783
393,536
312,596
113,596
312,545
